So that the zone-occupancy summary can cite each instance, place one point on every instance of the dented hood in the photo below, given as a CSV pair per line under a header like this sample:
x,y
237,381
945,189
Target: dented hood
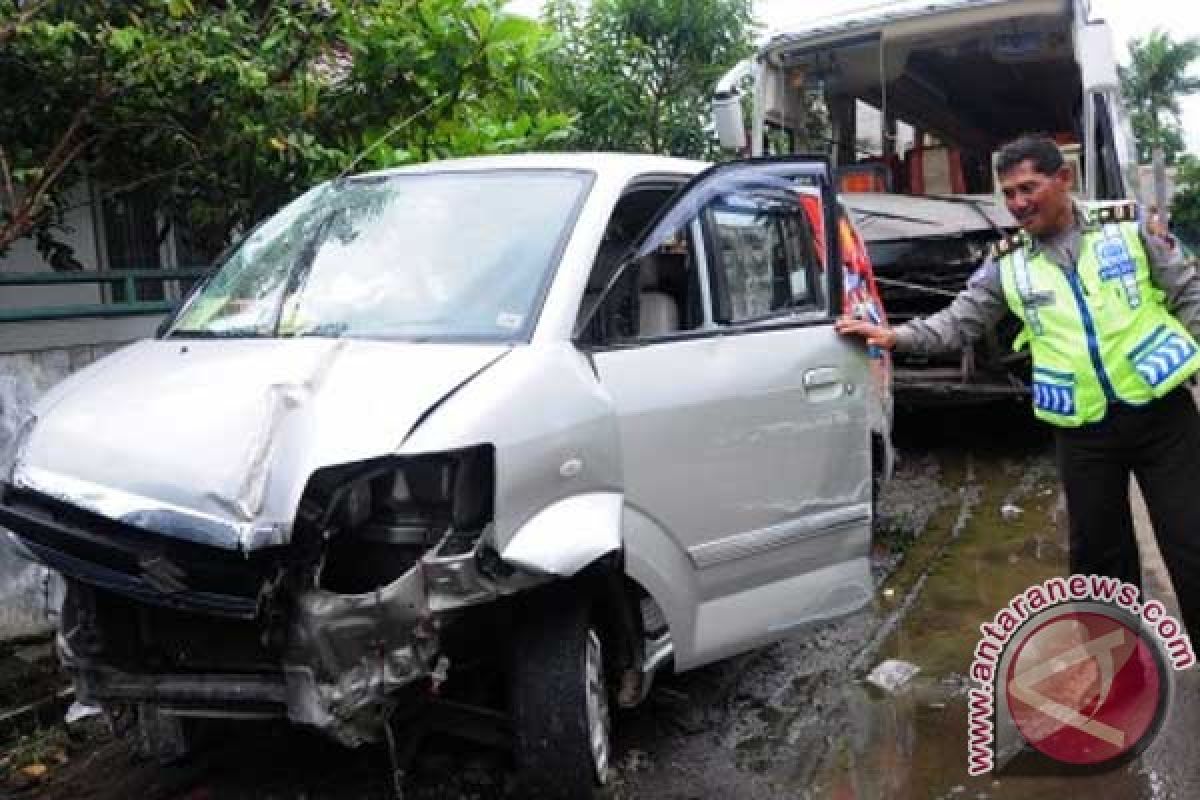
x,y
890,217
213,441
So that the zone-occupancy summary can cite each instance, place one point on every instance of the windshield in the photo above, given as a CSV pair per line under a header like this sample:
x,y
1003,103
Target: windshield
x,y
452,255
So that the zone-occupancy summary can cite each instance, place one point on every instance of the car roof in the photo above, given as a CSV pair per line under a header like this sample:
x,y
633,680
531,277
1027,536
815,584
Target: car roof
x,y
614,165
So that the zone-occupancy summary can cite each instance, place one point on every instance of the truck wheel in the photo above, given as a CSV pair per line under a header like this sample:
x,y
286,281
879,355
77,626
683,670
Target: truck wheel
x,y
167,738
560,701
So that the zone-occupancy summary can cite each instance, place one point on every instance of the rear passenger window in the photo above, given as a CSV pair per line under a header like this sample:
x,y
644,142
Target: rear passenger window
x,y
767,258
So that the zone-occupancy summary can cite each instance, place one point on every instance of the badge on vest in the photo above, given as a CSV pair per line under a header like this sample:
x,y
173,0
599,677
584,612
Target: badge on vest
x,y
1038,299
1160,355
1117,264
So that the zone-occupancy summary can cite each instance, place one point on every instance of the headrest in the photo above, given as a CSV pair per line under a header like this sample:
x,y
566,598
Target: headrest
x,y
659,266
648,275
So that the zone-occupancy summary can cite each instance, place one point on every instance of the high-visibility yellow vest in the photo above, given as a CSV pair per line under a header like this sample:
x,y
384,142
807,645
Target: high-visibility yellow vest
x,y
1101,335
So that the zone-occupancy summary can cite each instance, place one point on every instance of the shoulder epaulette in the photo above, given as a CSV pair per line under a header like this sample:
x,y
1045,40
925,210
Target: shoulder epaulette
x,y
1124,211
1007,246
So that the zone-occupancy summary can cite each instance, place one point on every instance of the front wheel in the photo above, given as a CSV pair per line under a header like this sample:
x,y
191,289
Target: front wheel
x,y
560,701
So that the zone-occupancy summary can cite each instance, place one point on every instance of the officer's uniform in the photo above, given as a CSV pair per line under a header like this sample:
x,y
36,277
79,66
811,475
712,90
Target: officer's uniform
x,y
1108,331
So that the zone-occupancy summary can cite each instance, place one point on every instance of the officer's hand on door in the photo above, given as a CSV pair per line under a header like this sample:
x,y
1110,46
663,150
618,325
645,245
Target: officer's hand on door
x,y
876,335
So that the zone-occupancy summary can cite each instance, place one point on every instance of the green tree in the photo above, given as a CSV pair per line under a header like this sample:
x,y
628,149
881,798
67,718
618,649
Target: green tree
x,y
223,110
1157,76
1185,208
640,73
1173,143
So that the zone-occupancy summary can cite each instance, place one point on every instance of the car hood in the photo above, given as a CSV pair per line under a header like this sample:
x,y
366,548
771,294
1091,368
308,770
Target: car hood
x,y
214,441
888,217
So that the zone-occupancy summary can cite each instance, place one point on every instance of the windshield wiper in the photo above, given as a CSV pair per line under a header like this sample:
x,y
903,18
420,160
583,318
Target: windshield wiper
x,y
869,215
232,333
329,329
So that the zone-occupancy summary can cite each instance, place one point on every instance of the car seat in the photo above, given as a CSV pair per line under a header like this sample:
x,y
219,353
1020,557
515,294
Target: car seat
x,y
658,311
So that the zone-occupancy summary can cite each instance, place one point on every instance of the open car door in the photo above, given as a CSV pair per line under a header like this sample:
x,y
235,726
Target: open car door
x,y
744,432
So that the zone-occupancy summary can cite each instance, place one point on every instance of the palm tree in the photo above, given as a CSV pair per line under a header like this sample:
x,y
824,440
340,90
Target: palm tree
x,y
1157,76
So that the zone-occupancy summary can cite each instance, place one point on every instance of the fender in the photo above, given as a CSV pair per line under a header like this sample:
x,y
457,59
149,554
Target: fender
x,y
568,535
654,560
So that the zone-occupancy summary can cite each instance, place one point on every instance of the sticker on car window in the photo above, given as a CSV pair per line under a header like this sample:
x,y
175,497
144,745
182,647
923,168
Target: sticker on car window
x,y
509,321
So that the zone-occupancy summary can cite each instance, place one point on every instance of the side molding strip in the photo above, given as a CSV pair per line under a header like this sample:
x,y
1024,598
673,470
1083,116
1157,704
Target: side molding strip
x,y
740,545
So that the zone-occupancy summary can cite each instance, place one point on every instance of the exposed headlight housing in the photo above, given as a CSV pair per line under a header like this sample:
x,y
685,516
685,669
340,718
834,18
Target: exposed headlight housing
x,y
372,522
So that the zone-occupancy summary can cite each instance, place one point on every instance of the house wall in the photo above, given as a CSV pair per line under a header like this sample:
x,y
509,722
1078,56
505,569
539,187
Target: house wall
x,y
24,257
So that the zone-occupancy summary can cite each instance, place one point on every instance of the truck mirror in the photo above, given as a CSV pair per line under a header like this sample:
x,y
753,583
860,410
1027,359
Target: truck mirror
x,y
727,119
1096,58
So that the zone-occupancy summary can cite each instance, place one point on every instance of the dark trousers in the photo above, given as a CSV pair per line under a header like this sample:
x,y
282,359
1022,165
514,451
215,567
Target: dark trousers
x,y
1160,445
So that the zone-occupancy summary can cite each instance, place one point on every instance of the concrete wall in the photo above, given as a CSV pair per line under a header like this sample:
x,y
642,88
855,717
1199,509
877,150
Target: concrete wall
x,y
29,595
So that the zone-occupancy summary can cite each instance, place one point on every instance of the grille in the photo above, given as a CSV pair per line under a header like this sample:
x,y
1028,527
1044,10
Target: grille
x,y
134,562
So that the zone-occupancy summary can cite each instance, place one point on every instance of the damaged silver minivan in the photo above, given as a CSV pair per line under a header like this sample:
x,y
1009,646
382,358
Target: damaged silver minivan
x,y
482,443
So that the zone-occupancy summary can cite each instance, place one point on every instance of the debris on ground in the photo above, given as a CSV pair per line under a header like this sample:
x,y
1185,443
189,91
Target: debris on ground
x,y
1011,512
892,675
80,713
30,759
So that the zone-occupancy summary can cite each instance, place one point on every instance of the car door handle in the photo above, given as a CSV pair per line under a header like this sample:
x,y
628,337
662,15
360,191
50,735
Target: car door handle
x,y
822,377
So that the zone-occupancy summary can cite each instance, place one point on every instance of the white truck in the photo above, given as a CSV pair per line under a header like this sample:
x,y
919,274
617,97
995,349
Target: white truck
x,y
920,96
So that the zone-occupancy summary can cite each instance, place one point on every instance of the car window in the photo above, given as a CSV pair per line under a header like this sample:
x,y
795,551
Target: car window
x,y
767,257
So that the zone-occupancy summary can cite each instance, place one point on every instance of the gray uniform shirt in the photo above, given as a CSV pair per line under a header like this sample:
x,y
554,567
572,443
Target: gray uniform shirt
x,y
981,305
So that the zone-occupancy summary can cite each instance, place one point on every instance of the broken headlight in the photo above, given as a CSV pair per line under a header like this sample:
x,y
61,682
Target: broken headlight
x,y
377,520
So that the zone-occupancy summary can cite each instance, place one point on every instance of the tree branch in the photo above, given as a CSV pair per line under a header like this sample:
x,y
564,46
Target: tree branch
x,y
9,29
9,191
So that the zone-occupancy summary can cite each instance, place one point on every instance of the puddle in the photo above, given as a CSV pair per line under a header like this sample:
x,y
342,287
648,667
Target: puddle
x,y
968,561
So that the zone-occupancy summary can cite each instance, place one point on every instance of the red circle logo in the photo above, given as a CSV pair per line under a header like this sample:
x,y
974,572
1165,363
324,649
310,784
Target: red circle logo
x,y
1085,688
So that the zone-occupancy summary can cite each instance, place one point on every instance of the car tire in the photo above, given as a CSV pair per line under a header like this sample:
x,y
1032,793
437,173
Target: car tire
x,y
561,700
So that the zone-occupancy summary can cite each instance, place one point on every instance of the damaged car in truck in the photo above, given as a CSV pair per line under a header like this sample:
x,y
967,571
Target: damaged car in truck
x,y
478,445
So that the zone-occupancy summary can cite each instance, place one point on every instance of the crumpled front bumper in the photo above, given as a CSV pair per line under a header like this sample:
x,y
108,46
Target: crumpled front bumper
x,y
337,662
344,659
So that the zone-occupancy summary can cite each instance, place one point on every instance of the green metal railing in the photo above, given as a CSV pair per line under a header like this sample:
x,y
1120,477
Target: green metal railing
x,y
127,278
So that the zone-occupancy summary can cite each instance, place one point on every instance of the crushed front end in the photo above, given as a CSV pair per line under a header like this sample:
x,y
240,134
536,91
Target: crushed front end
x,y
924,249
389,565
920,277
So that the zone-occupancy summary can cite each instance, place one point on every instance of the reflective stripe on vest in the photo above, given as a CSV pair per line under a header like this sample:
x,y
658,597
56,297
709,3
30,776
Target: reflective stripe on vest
x,y
1025,290
1121,267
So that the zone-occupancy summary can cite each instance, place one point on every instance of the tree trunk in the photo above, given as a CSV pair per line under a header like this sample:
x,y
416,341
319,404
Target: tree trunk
x,y
1159,160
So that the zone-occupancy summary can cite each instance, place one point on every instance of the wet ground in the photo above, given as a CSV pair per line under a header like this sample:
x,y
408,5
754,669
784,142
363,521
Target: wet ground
x,y
795,720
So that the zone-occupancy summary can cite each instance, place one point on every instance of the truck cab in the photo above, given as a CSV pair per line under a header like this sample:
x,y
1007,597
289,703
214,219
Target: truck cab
x,y
919,99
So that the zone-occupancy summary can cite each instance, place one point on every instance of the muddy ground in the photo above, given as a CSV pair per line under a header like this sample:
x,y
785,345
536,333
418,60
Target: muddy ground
x,y
795,720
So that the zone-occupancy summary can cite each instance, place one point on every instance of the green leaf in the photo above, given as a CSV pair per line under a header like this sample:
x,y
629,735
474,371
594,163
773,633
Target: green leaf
x,y
180,8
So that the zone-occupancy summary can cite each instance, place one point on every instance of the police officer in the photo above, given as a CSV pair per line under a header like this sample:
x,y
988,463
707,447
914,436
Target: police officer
x,y
1111,317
